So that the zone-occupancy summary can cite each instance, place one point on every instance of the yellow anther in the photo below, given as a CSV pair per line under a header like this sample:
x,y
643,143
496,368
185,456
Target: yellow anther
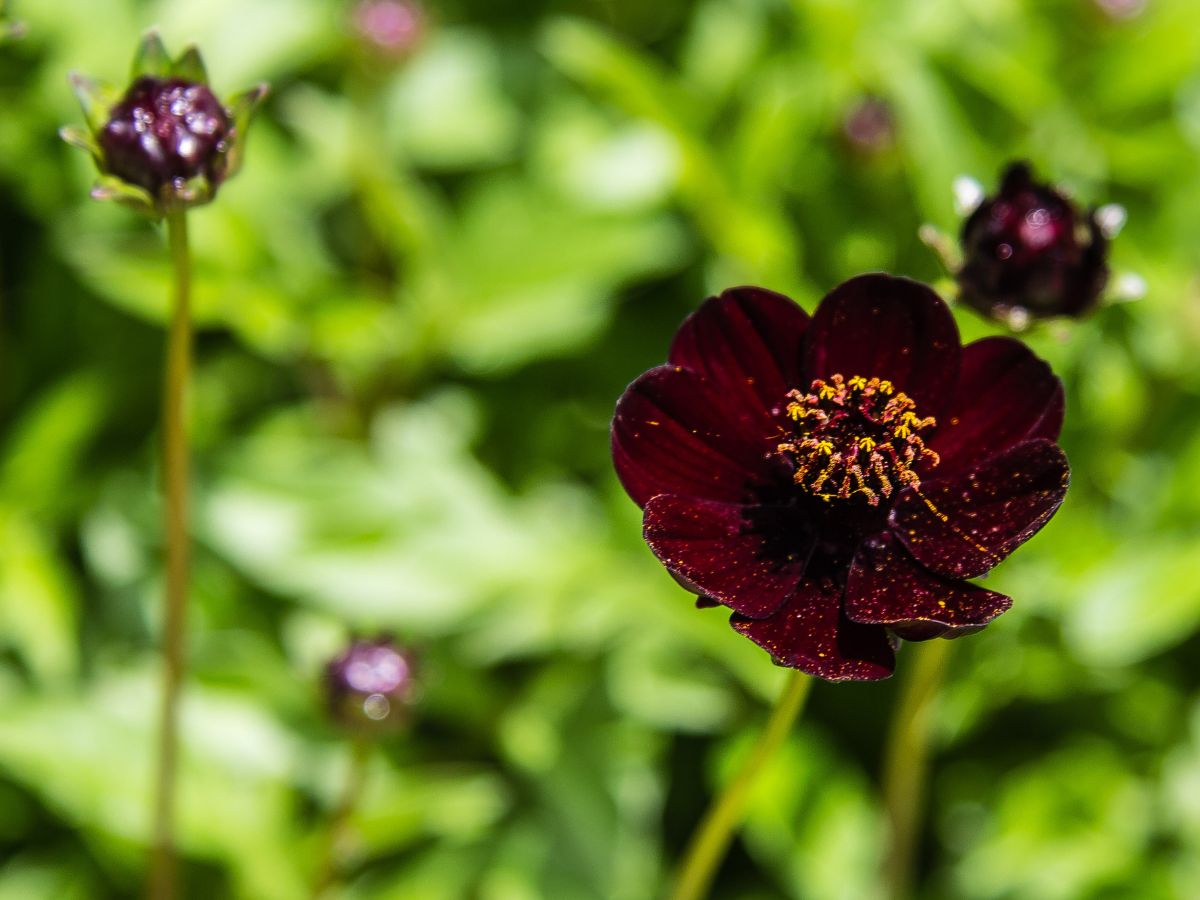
x,y
857,383
824,447
885,387
827,391
910,418
866,443
903,431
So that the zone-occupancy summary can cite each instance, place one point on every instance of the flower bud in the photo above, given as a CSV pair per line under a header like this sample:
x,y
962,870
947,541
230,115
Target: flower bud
x,y
166,130
370,685
1030,253
167,141
389,28
870,126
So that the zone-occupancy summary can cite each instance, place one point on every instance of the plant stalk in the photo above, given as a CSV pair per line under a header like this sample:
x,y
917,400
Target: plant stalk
x,y
906,763
164,867
712,838
339,824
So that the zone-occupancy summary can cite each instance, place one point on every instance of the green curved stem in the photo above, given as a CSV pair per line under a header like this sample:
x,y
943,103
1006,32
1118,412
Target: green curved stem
x,y
163,875
339,823
906,762
712,838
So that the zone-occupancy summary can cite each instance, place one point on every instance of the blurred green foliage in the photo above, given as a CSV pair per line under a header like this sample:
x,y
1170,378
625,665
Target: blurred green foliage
x,y
419,302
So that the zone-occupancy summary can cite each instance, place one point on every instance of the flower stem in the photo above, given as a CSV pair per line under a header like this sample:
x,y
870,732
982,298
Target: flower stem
x,y
906,762
163,874
712,838
339,823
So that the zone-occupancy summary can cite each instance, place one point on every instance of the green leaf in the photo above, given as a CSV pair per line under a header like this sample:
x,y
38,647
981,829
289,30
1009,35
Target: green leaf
x,y
37,599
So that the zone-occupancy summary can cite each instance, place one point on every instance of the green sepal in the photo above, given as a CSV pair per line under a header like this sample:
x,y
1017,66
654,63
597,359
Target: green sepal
x,y
194,192
151,58
81,138
96,98
109,187
190,66
241,108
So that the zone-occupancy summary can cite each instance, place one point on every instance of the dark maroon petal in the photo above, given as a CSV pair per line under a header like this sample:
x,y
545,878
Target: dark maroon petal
x,y
812,633
747,343
963,525
887,588
879,326
1005,396
672,434
748,558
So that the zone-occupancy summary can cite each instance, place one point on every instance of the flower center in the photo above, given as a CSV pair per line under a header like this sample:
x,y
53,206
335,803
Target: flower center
x,y
854,436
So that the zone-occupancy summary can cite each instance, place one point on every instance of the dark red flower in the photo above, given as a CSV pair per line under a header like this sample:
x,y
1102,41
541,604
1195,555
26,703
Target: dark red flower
x,y
834,480
166,130
370,683
1030,253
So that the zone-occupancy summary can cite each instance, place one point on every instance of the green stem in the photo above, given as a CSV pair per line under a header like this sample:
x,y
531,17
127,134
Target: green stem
x,y
906,762
712,838
163,874
328,871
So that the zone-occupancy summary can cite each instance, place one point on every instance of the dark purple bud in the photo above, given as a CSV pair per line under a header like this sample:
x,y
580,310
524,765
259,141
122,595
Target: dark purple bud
x,y
370,684
869,125
165,132
1030,253
390,27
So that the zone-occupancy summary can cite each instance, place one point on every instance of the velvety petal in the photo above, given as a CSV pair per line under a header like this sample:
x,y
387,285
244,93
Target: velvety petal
x,y
887,588
1005,396
747,343
749,558
672,433
812,633
880,326
963,525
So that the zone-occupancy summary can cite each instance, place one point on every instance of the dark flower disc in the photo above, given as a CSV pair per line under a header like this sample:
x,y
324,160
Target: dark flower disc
x,y
1029,252
833,480
165,131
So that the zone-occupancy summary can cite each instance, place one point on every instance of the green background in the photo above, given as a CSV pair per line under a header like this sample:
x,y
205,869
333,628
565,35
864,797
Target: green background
x,y
418,303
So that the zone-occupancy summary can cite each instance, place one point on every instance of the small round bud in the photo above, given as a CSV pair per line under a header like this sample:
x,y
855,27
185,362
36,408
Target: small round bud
x,y
870,126
1030,253
370,684
165,132
389,27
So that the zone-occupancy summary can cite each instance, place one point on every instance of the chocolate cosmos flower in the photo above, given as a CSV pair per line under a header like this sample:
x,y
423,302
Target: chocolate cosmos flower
x,y
1030,253
835,480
